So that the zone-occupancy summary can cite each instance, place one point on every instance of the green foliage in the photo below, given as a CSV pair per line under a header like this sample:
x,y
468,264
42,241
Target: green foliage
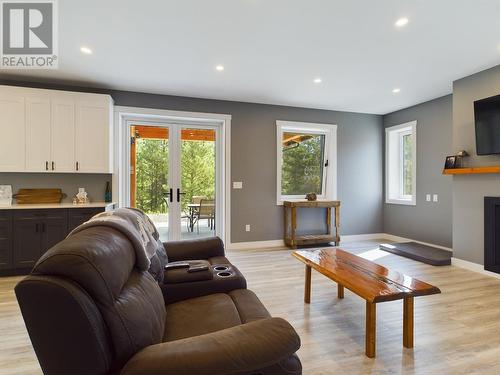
x,y
407,165
198,172
302,169
152,172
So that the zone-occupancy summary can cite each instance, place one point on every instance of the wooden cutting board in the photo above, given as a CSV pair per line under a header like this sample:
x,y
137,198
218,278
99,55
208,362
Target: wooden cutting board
x,y
32,196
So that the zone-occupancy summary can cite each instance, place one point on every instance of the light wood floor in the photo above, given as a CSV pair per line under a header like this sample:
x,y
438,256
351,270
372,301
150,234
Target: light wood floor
x,y
456,332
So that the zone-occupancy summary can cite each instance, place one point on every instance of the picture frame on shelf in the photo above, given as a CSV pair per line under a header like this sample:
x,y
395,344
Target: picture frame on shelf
x,y
450,162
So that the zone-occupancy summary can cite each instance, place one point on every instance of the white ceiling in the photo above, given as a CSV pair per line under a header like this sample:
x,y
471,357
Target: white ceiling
x,y
273,49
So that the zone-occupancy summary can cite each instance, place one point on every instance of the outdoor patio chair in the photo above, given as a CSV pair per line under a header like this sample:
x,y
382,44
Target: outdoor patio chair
x,y
206,211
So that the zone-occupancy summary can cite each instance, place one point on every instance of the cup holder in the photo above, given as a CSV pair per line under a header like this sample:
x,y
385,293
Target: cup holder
x,y
224,274
221,268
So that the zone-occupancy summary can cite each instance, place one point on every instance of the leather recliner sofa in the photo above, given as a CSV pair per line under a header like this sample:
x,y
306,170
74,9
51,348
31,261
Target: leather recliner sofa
x,y
90,310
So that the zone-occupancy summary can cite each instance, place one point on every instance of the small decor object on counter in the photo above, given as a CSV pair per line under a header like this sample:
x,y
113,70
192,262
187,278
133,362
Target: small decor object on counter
x,y
81,197
459,163
311,197
451,162
5,195
107,193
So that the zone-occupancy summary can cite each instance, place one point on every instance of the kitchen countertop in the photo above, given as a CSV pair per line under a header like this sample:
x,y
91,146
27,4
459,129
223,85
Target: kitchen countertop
x,y
16,206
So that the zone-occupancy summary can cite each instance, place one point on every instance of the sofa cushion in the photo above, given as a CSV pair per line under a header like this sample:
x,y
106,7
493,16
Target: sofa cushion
x,y
201,315
214,312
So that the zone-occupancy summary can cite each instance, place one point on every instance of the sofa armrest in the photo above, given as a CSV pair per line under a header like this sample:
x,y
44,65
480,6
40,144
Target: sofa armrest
x,y
202,248
239,349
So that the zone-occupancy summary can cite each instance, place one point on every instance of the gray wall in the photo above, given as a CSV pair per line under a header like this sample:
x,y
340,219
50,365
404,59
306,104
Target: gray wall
x,y
253,160
469,190
427,221
94,184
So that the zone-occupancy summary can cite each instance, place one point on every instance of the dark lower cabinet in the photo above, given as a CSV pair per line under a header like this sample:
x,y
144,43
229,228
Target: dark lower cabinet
x,y
81,215
25,235
27,239
5,240
36,231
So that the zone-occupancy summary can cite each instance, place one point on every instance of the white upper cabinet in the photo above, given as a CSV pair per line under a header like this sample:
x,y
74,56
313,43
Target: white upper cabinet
x,y
13,132
38,133
55,131
63,135
92,150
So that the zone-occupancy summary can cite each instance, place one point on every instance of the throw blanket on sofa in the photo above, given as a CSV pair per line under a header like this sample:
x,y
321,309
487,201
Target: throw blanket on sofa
x,y
136,226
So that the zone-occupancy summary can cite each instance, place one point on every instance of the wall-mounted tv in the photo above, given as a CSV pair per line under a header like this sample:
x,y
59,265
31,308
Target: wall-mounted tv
x,y
487,118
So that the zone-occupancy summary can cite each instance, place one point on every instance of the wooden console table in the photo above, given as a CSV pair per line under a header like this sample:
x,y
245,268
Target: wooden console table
x,y
290,231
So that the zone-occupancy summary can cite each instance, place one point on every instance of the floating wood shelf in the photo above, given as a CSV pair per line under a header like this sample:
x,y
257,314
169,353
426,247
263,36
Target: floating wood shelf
x,y
475,170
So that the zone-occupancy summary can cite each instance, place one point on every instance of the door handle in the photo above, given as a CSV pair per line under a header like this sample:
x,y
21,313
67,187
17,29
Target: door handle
x,y
46,165
36,227
53,165
77,166
170,195
179,194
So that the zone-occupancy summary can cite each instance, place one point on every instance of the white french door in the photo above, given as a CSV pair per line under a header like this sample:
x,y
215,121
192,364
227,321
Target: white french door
x,y
176,177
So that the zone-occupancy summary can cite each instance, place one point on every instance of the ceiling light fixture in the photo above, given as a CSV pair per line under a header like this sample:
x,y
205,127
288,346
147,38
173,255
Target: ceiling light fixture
x,y
86,50
396,90
318,80
219,68
401,22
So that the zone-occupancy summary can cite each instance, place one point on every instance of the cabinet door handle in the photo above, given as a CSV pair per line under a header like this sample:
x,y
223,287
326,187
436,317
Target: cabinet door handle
x,y
53,165
46,165
77,166
36,227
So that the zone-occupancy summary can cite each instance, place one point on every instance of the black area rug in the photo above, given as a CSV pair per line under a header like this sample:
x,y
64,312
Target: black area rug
x,y
422,253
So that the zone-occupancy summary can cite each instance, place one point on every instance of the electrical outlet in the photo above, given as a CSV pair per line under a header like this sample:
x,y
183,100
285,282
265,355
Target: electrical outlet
x,y
247,228
428,197
237,185
435,198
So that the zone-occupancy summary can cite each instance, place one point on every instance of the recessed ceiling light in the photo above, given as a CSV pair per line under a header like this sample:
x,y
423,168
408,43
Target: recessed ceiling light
x,y
396,90
219,68
86,50
318,80
401,22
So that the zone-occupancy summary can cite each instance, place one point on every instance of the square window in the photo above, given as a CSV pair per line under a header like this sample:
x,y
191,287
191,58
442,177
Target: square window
x,y
305,153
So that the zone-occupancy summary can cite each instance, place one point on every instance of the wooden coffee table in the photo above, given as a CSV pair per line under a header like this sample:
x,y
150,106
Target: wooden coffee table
x,y
370,281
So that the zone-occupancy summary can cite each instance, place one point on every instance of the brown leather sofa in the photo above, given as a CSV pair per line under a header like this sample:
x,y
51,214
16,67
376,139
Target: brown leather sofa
x,y
90,310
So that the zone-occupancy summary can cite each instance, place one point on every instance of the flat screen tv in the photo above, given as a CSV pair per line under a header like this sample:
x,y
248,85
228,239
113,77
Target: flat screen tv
x,y
487,118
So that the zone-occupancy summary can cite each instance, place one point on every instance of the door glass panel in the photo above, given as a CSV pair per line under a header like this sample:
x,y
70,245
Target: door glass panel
x,y
149,174
197,182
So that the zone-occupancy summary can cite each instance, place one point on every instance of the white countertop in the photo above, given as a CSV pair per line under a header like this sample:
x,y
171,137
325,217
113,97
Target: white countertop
x,y
16,206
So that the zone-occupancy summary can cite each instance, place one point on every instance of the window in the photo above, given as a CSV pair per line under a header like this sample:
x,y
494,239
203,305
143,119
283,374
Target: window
x,y
401,163
306,160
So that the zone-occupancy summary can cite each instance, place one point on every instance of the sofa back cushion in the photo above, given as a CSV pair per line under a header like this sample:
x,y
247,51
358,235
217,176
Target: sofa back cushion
x,y
101,261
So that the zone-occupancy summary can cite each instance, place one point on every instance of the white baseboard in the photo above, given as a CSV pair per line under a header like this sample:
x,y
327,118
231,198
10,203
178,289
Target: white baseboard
x,y
343,239
255,245
281,243
479,268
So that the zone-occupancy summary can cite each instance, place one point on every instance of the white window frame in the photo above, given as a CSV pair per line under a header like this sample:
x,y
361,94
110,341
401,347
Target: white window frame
x,y
394,163
329,187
